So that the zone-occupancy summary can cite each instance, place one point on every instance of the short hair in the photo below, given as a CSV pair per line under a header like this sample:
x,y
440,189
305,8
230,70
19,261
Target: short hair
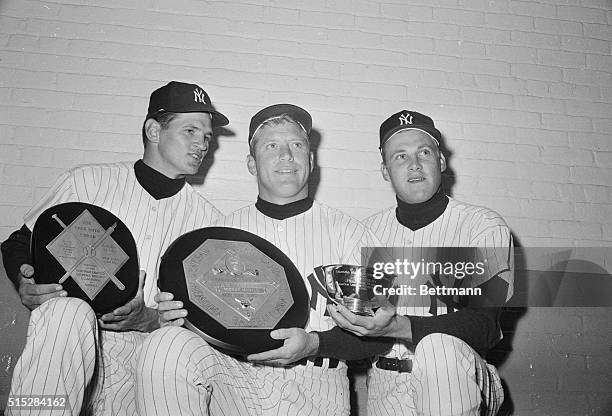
x,y
273,122
163,119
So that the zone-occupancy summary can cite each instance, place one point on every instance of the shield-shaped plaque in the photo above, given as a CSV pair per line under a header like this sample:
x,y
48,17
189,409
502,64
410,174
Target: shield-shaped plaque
x,y
89,251
236,287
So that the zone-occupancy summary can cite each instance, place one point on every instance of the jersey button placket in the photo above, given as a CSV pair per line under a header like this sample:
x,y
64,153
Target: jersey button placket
x,y
152,221
280,232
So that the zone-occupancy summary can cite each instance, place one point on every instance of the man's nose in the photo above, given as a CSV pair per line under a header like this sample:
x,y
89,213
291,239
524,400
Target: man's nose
x,y
201,142
415,164
285,152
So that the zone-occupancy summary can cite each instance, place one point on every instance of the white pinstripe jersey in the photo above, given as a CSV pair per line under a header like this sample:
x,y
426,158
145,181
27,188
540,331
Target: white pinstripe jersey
x,y
154,224
318,237
460,225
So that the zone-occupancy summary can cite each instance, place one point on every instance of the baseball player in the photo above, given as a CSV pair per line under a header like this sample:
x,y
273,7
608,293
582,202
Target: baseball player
x,y
65,354
179,373
436,365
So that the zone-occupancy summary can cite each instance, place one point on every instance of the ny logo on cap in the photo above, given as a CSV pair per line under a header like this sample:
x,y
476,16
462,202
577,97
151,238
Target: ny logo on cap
x,y
198,96
405,118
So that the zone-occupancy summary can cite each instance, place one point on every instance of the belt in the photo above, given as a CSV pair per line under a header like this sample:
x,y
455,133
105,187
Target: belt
x,y
395,364
318,362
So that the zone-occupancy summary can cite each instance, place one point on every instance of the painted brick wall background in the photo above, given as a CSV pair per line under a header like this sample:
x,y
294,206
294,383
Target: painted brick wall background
x,y
522,91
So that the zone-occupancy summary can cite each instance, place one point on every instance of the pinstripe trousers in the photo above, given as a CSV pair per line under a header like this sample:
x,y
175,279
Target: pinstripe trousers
x,y
67,355
448,378
180,374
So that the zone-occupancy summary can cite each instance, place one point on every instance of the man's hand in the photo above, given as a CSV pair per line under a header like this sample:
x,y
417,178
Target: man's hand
x,y
171,312
298,344
32,294
384,323
133,316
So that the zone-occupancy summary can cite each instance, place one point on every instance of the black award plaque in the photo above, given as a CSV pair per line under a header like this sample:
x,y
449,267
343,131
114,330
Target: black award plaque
x,y
236,287
87,250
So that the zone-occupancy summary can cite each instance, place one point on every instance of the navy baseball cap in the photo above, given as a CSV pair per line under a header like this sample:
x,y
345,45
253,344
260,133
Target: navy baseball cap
x,y
300,115
180,97
408,120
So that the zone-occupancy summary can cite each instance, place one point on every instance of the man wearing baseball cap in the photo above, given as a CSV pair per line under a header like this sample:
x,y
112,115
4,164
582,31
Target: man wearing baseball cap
x,y
436,366
307,374
65,355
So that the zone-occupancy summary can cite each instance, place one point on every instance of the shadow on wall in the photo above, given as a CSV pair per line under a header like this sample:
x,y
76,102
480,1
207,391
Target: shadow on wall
x,y
315,175
552,278
448,176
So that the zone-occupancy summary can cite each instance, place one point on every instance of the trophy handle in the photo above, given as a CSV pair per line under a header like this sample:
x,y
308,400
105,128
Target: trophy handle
x,y
333,289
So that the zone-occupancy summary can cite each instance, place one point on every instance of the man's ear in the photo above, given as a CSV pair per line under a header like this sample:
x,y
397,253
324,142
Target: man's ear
x,y
385,172
442,162
152,129
311,162
251,165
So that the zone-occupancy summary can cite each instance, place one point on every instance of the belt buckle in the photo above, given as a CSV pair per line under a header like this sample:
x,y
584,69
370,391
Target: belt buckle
x,y
396,364
319,362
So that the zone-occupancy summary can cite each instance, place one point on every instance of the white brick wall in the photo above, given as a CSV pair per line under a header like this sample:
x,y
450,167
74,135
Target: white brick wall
x,y
522,90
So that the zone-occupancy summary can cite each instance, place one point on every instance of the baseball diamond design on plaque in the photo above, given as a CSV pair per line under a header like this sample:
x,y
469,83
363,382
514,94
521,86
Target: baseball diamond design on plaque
x,y
237,285
88,253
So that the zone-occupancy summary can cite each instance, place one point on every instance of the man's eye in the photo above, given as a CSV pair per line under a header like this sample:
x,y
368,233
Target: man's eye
x,y
425,152
299,145
401,156
271,146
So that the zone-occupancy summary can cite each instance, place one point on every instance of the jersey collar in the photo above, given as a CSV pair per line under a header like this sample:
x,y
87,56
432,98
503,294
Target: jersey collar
x,y
417,216
158,185
281,212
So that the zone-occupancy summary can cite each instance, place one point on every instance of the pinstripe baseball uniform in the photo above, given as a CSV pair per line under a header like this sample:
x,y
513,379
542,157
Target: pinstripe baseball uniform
x,y
448,376
180,374
60,354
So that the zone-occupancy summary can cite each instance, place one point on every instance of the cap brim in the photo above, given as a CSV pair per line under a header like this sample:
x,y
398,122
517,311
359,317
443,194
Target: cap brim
x,y
430,131
219,119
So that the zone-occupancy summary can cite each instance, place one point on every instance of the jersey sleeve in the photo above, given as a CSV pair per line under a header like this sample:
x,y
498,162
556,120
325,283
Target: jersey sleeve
x,y
343,345
476,323
62,191
477,327
496,252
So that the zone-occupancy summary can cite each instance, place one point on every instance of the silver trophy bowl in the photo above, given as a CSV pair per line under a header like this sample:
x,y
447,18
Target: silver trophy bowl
x,y
355,287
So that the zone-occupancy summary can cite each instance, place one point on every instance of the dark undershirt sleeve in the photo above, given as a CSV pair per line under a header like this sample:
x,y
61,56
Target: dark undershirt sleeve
x,y
343,345
15,252
477,324
476,327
